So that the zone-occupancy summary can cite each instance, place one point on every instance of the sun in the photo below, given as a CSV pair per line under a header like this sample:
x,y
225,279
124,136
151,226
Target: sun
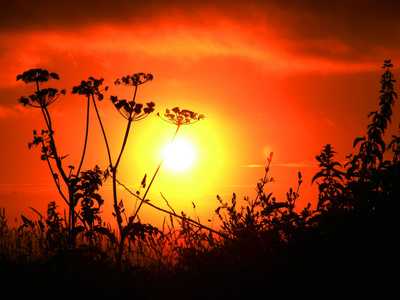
x,y
179,155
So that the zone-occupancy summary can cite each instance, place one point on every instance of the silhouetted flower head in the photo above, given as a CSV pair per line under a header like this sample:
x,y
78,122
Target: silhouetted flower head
x,y
134,80
37,75
90,87
41,98
181,117
131,110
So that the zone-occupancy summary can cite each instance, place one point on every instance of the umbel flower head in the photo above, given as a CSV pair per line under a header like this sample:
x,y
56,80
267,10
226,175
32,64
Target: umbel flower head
x,y
41,98
134,80
37,75
131,110
89,88
180,117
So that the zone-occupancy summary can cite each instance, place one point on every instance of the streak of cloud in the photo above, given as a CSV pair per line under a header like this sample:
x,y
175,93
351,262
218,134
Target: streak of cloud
x,y
288,165
13,111
294,36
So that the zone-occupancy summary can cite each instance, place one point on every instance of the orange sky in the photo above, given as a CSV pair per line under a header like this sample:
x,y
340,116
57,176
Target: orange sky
x,y
269,76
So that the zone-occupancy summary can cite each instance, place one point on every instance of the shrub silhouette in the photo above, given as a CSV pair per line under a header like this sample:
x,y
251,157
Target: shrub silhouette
x,y
262,246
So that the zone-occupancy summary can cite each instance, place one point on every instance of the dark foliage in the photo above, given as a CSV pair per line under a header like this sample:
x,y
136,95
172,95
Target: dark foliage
x,y
347,247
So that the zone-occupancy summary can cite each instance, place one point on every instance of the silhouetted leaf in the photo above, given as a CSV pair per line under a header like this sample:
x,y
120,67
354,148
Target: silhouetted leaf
x,y
357,140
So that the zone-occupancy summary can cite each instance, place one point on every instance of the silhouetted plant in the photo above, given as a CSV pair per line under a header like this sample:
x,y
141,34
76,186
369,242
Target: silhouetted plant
x,y
131,111
373,146
86,193
178,118
90,89
356,211
394,146
57,229
331,182
263,225
42,99
367,169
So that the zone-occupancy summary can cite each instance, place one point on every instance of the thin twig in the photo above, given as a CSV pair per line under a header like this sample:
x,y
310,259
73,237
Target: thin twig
x,y
168,203
201,226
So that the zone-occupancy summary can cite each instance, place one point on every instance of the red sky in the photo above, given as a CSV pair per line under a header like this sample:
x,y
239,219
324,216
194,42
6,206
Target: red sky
x,y
281,76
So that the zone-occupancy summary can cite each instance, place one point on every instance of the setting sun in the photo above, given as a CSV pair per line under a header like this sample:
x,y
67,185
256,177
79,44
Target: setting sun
x,y
137,142
179,155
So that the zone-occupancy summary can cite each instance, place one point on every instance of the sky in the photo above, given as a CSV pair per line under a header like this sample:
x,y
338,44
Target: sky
x,y
286,77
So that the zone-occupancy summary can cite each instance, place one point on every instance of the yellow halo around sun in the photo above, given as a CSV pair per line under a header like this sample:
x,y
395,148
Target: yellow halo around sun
x,y
179,155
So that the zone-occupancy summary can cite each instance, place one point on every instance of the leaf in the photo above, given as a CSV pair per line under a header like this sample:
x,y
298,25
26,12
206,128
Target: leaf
x,y
105,231
357,140
277,205
318,175
143,183
26,220
77,230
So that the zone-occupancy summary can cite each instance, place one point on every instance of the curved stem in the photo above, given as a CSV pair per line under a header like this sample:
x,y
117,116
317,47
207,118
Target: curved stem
x,y
86,137
102,129
126,133
261,186
152,180
128,127
114,176
195,223
53,148
54,178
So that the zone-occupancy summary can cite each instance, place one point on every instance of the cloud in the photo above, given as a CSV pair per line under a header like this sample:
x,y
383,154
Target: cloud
x,y
254,166
283,37
299,165
353,22
288,165
10,112
182,42
8,188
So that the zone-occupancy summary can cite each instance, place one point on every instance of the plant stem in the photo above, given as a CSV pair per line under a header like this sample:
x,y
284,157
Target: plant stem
x,y
86,137
53,148
114,176
195,223
152,180
102,129
128,127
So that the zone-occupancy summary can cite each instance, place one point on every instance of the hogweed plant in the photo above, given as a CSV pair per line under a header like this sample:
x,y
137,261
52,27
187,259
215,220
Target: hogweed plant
x,y
75,181
176,117
42,98
132,112
357,211
82,186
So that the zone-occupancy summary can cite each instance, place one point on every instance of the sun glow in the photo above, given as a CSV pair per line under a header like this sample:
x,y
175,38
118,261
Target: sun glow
x,y
179,155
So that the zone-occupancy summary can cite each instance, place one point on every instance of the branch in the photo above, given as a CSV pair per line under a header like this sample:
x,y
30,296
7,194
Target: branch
x,y
197,224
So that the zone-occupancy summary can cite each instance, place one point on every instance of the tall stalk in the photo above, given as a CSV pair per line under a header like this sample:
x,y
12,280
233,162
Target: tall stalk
x,y
152,179
42,99
131,111
86,137
177,117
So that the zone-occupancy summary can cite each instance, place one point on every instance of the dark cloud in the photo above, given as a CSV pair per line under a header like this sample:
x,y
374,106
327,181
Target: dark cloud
x,y
340,30
306,14
359,23
72,14
352,21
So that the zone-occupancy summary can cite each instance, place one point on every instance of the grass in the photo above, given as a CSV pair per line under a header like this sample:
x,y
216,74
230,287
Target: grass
x,y
347,247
